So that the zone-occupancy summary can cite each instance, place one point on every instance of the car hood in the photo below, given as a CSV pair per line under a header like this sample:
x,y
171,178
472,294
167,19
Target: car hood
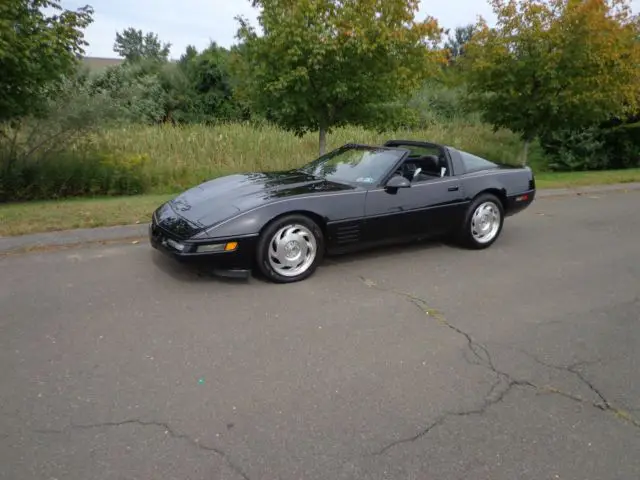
x,y
223,197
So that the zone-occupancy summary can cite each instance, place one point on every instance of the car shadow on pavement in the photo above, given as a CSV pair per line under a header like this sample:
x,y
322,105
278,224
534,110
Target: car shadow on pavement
x,y
188,273
400,251
407,251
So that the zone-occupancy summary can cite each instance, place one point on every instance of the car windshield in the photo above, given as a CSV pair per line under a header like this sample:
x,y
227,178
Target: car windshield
x,y
354,164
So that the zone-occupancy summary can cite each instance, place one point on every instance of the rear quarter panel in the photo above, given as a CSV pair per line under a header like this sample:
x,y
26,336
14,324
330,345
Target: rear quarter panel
x,y
512,185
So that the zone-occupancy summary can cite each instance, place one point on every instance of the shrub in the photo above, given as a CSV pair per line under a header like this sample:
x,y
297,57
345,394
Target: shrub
x,y
136,93
437,103
595,148
131,159
79,170
52,155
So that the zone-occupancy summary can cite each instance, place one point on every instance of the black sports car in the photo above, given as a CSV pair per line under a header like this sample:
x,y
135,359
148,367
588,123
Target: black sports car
x,y
351,198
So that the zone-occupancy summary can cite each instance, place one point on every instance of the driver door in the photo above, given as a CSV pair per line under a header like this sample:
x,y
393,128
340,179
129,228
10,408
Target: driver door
x,y
428,207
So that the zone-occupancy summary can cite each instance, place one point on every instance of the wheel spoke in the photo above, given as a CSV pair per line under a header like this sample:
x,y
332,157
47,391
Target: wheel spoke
x,y
292,250
485,222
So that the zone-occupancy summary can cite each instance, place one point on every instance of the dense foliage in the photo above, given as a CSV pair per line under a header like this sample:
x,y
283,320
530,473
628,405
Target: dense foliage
x,y
36,51
555,65
560,74
133,45
320,64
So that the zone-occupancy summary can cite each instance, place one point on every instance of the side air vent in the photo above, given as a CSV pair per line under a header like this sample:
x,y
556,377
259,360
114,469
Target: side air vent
x,y
348,233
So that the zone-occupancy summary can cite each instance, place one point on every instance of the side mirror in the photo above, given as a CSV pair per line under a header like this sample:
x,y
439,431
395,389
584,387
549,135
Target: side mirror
x,y
397,181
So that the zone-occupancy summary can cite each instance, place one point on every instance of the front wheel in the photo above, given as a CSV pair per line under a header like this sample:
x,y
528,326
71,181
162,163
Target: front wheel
x,y
290,249
483,222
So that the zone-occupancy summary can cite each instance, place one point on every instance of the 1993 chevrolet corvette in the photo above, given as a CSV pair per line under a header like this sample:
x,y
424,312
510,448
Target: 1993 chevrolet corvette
x,y
355,197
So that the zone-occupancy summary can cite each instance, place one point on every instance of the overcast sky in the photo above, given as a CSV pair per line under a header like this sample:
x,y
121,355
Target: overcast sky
x,y
197,22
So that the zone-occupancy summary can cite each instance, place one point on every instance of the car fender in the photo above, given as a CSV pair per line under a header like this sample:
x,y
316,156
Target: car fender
x,y
508,183
330,207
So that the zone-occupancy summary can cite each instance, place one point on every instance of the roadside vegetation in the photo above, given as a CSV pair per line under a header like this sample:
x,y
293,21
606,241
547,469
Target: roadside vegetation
x,y
552,84
136,159
22,218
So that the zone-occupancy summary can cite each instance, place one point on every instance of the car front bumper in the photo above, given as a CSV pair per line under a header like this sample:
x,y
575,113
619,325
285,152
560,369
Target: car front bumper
x,y
237,262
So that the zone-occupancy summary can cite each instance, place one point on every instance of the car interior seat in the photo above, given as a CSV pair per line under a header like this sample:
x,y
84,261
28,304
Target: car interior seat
x,y
425,168
430,165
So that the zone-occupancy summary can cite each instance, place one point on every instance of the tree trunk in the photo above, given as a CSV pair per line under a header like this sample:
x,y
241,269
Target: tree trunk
x,y
323,140
525,152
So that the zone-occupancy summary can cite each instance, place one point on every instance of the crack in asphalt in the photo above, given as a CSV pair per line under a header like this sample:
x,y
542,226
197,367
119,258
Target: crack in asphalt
x,y
573,370
489,401
483,358
479,351
604,404
168,430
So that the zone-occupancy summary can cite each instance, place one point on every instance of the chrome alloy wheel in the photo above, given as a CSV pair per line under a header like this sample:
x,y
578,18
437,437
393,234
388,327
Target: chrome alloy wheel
x,y
485,222
292,250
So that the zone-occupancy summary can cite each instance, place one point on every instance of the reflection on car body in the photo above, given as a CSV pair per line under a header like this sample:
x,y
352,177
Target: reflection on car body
x,y
357,196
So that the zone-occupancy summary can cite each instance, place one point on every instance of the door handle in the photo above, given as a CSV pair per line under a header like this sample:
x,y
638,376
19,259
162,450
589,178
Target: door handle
x,y
453,189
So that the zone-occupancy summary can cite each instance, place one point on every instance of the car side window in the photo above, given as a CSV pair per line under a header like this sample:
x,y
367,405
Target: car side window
x,y
473,163
424,169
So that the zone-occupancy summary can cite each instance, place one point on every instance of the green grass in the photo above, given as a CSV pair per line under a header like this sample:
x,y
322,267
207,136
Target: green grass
x,y
177,157
47,216
142,159
32,217
164,160
583,179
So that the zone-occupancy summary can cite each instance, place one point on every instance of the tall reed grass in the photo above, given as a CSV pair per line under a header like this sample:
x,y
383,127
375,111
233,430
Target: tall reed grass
x,y
182,156
166,159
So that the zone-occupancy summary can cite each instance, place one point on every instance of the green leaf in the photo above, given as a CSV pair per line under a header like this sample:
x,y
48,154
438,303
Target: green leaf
x,y
556,64
321,63
36,51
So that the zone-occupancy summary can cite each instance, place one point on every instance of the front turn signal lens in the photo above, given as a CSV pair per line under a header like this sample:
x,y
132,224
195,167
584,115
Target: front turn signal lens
x,y
231,246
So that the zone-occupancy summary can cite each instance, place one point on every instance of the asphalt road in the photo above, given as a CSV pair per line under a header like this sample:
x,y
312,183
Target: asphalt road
x,y
419,362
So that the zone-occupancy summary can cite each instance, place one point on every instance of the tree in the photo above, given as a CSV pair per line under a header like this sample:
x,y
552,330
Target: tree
x,y
321,63
211,84
553,65
456,43
188,56
134,45
37,50
136,89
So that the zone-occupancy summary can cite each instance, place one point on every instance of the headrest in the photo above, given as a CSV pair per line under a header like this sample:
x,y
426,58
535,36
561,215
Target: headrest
x,y
431,162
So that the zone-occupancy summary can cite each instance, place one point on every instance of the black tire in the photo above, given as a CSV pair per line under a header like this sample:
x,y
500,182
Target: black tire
x,y
465,235
265,243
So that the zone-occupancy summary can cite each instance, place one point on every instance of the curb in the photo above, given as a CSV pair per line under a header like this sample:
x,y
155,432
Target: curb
x,y
67,238
564,192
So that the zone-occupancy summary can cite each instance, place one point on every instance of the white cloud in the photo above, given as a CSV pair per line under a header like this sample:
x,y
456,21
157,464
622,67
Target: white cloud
x,y
457,13
182,23
198,22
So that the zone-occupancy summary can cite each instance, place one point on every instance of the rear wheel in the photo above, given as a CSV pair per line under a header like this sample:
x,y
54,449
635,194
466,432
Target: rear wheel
x,y
483,222
290,249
